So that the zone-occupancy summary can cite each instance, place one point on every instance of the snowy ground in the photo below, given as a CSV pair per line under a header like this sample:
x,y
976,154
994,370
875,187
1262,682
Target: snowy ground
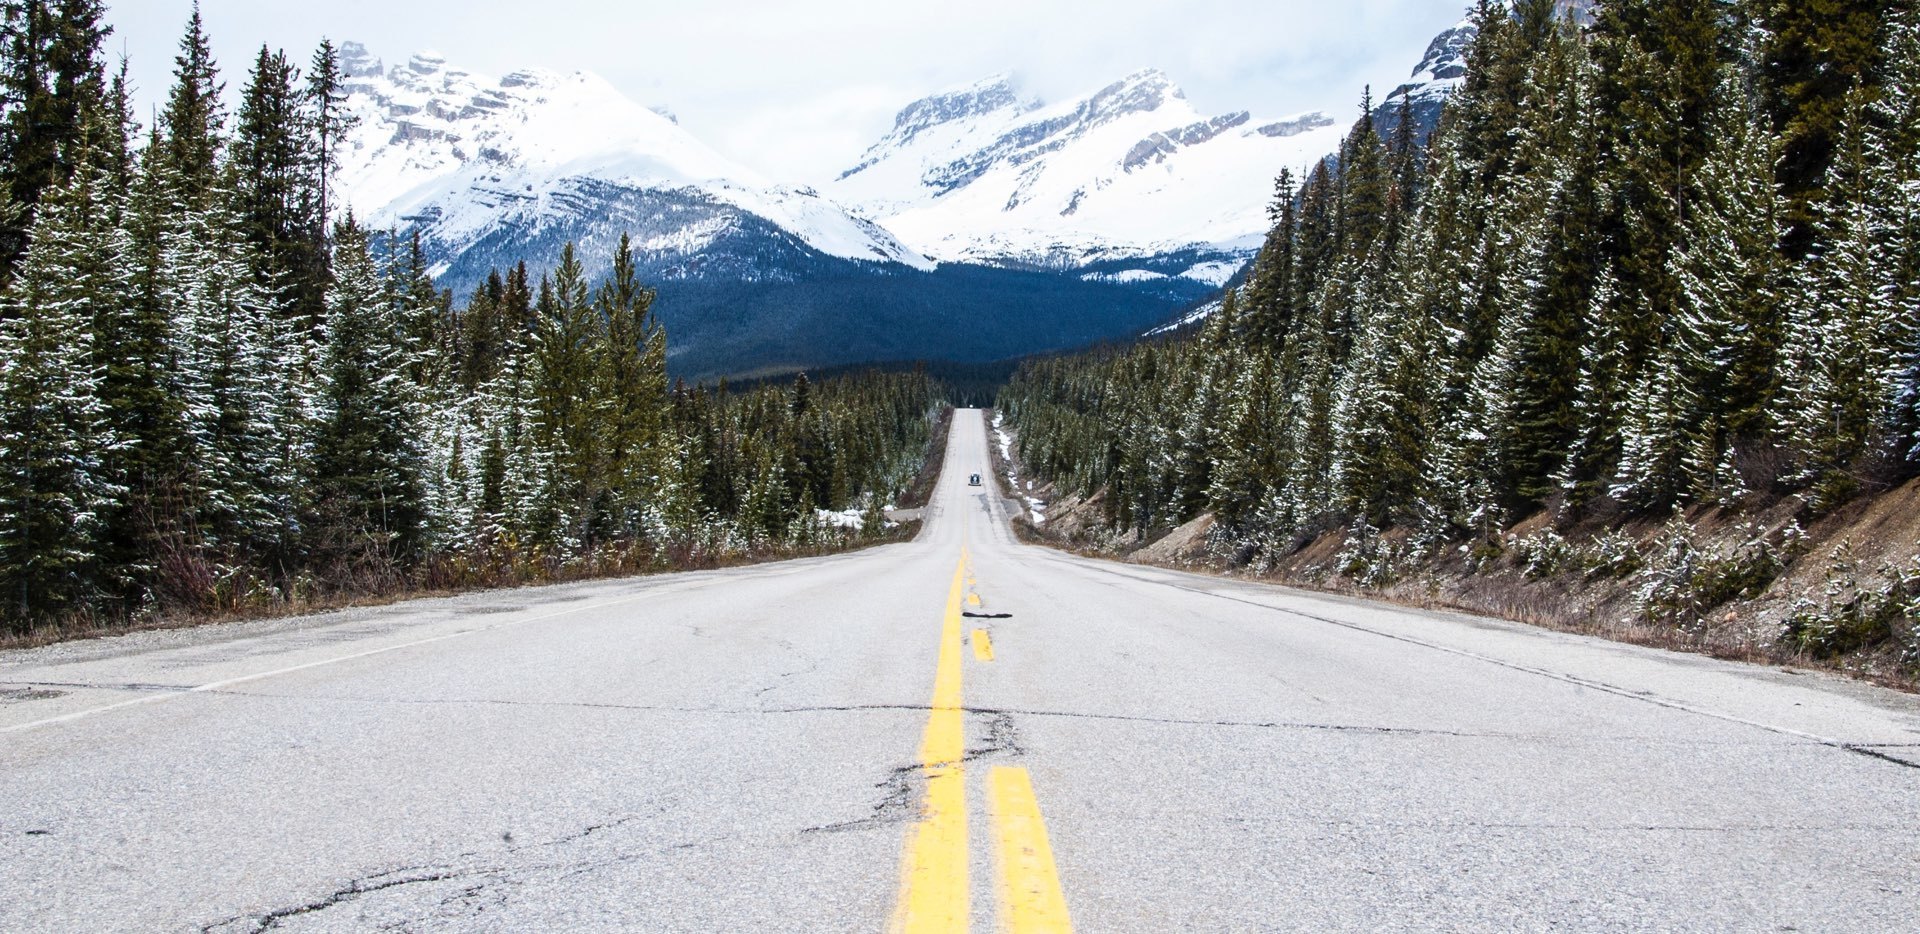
x,y
849,518
1021,488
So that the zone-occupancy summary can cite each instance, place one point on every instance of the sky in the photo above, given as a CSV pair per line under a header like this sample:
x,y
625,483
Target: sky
x,y
799,90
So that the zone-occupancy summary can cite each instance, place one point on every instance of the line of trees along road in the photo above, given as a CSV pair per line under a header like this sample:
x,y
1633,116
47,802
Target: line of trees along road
x,y
216,396
1670,259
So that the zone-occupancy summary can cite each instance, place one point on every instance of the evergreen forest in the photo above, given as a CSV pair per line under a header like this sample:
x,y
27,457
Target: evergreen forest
x,y
1668,260
219,393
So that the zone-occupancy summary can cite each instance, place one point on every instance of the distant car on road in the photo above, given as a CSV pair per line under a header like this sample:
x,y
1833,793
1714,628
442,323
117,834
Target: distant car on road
x,y
973,480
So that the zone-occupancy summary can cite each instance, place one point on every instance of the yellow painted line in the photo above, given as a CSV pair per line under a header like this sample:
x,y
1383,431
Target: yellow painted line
x,y
1030,898
933,874
982,645
973,599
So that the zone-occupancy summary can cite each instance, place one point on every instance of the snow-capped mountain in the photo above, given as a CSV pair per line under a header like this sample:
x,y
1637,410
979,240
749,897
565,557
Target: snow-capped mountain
x,y
491,170
985,225
986,174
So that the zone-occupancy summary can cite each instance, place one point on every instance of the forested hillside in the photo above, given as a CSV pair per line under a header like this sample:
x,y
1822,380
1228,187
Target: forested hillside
x,y
1662,266
216,396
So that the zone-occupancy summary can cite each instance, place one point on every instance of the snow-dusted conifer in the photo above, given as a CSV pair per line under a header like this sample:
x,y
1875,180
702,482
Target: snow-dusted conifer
x,y
52,430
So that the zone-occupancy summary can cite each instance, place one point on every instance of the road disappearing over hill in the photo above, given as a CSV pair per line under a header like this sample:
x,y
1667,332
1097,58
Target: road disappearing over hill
x,y
962,731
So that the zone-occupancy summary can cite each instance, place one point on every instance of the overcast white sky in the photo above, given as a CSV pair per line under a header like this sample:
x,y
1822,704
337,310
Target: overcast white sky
x,y
798,90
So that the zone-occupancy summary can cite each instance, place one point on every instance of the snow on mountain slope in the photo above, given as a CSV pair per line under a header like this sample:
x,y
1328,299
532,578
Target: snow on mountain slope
x,y
462,157
985,174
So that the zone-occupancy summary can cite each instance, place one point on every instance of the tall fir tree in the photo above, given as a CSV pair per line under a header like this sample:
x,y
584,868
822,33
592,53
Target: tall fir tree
x,y
52,430
367,459
53,84
193,122
269,174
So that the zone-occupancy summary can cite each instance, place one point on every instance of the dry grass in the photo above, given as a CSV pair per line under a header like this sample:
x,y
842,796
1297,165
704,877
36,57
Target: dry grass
x,y
438,582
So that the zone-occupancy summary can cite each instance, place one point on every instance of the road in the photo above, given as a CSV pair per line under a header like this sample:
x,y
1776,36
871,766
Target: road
x,y
957,731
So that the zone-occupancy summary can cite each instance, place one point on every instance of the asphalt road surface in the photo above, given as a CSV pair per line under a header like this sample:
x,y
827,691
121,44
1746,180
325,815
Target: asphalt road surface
x,y
957,731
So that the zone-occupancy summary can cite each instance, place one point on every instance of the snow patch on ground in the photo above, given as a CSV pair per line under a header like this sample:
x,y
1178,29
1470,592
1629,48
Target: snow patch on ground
x,y
1214,274
1199,314
1125,276
1036,508
844,519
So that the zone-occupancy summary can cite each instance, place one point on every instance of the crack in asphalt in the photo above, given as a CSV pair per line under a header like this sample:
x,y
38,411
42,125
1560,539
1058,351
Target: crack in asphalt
x,y
809,666
1874,753
351,891
137,687
491,873
899,791
903,784
1865,749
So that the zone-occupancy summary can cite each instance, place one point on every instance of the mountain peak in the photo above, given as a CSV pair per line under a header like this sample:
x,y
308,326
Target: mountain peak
x,y
1143,91
988,95
356,62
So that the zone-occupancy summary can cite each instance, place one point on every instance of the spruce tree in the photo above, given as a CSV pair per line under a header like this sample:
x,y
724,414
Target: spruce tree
x,y
52,83
1842,363
270,162
367,460
52,428
1732,278
193,122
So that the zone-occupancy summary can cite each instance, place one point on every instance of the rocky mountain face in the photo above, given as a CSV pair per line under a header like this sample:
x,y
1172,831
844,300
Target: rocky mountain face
x,y
1425,93
1444,67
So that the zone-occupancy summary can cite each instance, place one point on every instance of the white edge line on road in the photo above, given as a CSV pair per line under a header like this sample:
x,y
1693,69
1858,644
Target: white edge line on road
x,y
259,676
1566,678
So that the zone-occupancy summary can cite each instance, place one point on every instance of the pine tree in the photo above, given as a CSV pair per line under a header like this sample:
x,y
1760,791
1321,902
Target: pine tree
x,y
330,122
1659,69
227,380
269,164
1366,185
1842,364
636,389
1270,298
52,85
52,434
1816,52
1895,151
1731,273
367,461
1550,214
193,123
569,352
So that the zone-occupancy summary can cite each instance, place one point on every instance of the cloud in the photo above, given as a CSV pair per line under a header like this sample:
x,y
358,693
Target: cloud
x,y
797,90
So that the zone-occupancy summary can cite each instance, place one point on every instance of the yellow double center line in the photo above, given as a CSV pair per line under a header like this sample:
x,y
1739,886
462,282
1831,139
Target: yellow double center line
x,y
933,886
